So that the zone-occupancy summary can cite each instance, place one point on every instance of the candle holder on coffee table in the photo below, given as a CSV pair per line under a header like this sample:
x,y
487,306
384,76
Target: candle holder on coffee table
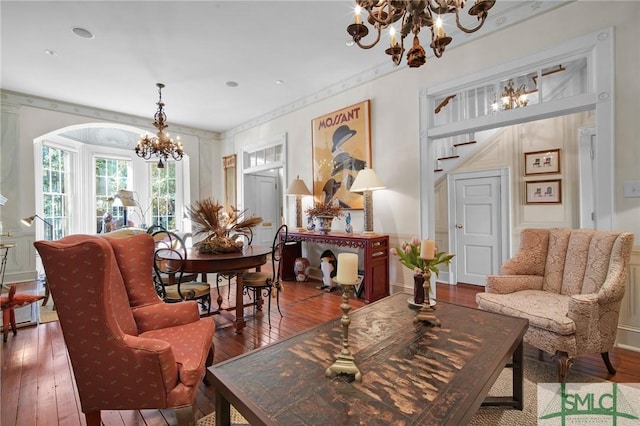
x,y
427,312
347,276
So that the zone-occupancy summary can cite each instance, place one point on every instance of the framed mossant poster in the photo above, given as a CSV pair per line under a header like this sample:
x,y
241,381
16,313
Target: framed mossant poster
x,y
341,148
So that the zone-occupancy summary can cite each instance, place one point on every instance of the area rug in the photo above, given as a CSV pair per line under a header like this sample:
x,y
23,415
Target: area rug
x,y
47,313
210,419
534,372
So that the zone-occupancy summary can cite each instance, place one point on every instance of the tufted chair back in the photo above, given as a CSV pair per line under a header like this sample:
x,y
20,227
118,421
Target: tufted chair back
x,y
569,284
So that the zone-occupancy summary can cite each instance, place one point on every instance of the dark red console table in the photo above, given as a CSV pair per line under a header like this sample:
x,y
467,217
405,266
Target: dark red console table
x,y
375,249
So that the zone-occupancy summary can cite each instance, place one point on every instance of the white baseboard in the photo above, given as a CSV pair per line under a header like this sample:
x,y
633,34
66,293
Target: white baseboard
x,y
628,338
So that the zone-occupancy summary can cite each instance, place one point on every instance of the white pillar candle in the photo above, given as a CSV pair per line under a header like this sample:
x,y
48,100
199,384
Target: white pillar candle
x,y
428,249
347,268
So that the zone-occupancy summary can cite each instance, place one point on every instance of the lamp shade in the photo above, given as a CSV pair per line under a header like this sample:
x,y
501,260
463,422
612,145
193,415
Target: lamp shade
x,y
298,187
28,221
366,180
124,198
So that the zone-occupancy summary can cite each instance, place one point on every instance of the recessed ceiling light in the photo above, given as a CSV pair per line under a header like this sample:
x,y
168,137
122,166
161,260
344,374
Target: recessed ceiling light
x,y
50,52
279,82
349,42
232,84
81,32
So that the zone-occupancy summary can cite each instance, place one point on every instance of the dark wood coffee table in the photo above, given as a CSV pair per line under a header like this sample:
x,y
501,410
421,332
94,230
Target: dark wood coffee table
x,y
411,374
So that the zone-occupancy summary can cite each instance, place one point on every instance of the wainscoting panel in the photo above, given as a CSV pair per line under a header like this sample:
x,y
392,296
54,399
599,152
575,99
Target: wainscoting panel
x,y
629,323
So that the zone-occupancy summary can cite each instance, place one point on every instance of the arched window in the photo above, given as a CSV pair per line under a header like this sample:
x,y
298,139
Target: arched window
x,y
80,169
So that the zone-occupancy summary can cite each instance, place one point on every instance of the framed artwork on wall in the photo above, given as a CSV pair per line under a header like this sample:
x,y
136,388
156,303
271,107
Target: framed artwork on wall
x,y
229,166
341,147
543,192
542,162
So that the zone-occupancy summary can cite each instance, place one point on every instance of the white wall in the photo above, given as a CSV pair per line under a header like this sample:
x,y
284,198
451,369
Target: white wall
x,y
26,118
394,112
506,149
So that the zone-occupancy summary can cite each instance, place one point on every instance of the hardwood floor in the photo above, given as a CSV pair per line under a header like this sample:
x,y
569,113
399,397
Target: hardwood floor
x,y
38,387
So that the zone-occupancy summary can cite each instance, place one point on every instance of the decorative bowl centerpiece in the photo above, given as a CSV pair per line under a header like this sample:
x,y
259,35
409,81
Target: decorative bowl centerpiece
x,y
324,213
223,227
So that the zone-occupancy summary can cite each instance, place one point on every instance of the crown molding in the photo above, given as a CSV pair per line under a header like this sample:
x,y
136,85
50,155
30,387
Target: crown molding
x,y
517,12
8,97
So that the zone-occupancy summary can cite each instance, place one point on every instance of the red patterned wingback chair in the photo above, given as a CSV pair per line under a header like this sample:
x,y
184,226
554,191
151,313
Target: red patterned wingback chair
x,y
128,349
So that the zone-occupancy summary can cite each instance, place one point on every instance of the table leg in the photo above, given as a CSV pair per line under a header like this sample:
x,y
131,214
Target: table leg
x,y
240,322
3,267
518,374
516,399
223,410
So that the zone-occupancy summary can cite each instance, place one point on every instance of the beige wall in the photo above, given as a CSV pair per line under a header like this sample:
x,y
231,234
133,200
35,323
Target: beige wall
x,y
26,118
506,149
394,112
395,122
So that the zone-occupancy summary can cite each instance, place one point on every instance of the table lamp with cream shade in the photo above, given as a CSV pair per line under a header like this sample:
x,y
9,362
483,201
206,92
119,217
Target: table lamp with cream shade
x,y
367,181
298,188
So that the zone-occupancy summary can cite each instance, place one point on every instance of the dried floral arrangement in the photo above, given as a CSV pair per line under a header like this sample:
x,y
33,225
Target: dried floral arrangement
x,y
223,227
322,209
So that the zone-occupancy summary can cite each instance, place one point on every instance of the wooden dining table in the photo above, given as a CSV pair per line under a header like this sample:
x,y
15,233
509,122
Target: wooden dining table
x,y
228,263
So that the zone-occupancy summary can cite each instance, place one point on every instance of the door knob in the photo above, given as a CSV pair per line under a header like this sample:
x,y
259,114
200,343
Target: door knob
x,y
459,225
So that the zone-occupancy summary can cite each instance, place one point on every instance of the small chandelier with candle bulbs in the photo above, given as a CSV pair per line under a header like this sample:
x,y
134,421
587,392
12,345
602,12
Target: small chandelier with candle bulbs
x,y
412,16
511,98
161,145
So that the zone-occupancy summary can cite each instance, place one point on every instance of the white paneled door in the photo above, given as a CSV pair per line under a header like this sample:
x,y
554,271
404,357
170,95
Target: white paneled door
x,y
478,228
261,199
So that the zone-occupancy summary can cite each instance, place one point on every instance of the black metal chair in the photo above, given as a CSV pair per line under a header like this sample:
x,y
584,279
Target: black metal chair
x,y
174,285
263,284
170,239
247,236
168,264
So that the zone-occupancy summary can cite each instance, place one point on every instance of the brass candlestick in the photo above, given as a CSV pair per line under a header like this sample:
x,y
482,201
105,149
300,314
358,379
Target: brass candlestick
x,y
427,313
345,362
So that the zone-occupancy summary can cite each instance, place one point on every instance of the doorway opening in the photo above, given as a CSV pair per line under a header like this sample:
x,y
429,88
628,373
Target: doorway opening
x,y
263,177
570,79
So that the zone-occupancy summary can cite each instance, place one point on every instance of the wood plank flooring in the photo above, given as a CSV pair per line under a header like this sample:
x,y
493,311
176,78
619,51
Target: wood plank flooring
x,y
38,387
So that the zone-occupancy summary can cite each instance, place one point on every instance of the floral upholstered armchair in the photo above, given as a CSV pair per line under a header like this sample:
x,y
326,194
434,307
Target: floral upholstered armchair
x,y
569,284
128,349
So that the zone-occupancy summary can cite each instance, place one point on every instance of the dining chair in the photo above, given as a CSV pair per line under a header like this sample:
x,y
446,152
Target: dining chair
x,y
247,237
267,284
9,304
168,265
170,239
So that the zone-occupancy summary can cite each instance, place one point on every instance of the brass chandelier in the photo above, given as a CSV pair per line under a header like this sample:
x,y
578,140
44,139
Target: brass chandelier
x,y
511,98
161,145
413,15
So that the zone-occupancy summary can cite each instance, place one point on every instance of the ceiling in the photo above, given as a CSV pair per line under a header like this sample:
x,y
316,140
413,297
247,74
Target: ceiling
x,y
195,48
